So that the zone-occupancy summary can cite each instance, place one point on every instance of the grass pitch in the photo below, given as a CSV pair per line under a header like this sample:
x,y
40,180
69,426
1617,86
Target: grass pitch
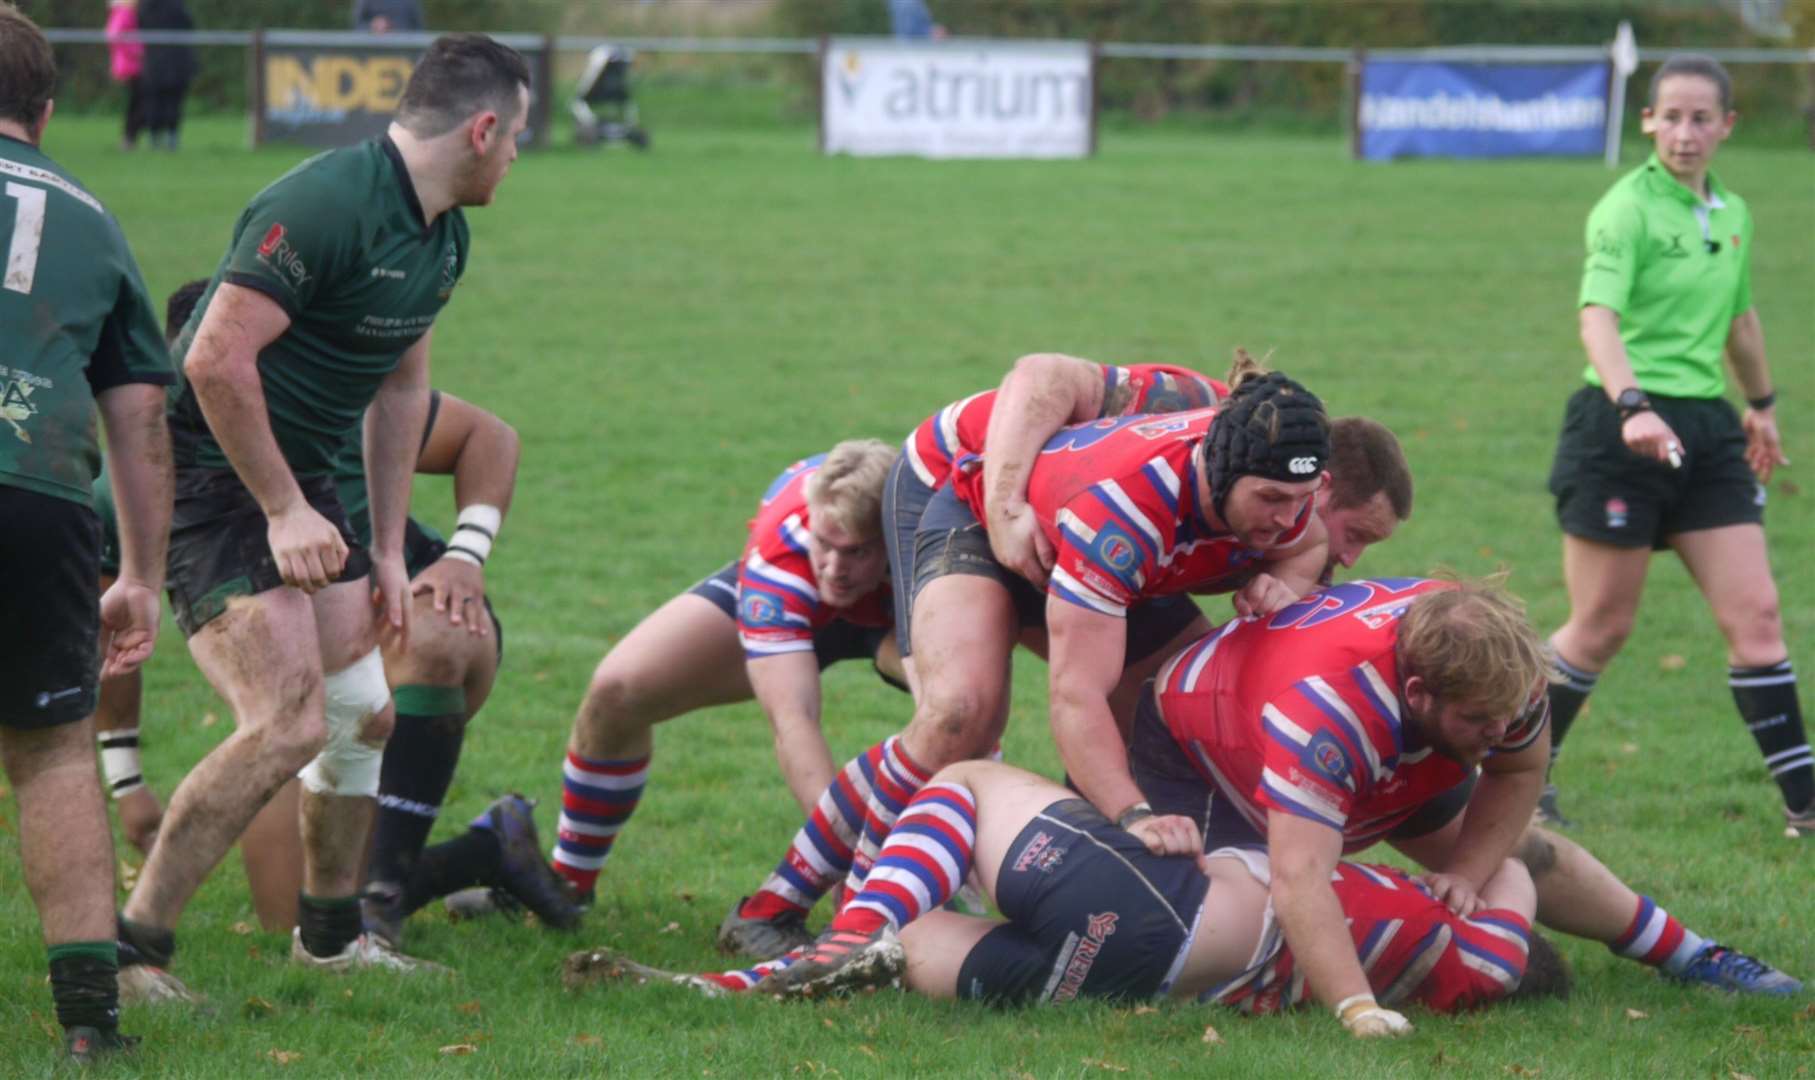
x,y
668,330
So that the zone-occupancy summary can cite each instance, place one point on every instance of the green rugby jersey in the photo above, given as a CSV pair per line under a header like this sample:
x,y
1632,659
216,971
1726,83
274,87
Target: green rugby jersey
x,y
338,242
75,320
1677,271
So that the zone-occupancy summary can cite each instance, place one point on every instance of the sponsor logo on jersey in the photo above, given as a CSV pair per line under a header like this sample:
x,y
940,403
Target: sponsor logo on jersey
x,y
1039,854
387,272
760,609
1616,513
273,237
280,255
1097,929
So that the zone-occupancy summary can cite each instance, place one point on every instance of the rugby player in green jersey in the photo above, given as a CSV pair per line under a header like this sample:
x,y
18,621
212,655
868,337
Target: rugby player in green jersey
x,y
321,307
79,333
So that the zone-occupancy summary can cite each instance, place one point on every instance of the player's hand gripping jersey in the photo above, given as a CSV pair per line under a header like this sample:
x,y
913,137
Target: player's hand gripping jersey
x,y
1118,500
1300,712
1411,945
958,429
778,604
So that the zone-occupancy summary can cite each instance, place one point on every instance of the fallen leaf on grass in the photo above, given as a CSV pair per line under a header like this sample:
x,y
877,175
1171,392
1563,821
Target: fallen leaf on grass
x,y
256,1007
1735,1074
1788,487
541,676
470,1008
1521,1070
1098,1063
129,876
1144,1010
284,1057
1212,1037
671,928
865,1048
241,928
1672,662
1629,748
1807,1012
588,1040
209,719
1634,1014
686,896
458,1049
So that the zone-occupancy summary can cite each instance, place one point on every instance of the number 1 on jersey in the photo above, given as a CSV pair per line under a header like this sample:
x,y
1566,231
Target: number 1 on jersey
x,y
28,232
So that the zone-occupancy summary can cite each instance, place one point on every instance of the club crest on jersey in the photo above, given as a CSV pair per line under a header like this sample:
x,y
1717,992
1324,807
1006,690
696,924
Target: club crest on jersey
x,y
1116,549
1327,758
760,609
1039,854
1617,512
450,272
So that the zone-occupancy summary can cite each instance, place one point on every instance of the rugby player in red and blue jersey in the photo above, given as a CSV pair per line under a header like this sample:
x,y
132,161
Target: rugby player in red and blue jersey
x,y
810,589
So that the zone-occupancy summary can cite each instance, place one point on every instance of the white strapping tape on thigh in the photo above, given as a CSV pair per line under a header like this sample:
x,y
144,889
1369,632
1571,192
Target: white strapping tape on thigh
x,y
347,766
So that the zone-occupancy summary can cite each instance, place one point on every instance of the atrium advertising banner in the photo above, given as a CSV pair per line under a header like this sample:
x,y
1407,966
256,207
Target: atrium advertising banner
x,y
1432,109
335,89
957,98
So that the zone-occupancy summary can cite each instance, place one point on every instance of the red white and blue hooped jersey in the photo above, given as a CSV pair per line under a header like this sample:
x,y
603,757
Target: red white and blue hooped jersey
x,y
778,604
959,428
1411,945
1118,499
1300,712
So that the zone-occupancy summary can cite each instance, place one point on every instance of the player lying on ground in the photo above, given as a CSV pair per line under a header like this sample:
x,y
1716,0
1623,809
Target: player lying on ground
x,y
1091,912
811,589
1402,709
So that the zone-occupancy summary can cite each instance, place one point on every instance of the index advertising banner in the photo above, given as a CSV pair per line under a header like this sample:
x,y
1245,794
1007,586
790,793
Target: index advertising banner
x,y
1433,109
335,89
957,99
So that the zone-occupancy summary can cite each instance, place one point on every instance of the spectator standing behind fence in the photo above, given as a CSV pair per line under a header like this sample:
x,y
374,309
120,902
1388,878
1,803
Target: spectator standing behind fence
x,y
384,16
169,69
910,19
126,58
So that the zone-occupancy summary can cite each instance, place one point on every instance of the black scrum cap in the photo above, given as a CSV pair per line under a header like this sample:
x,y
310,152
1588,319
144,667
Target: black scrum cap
x,y
1271,427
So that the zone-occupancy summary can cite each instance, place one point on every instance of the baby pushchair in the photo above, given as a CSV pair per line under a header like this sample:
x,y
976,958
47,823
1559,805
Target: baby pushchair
x,y
603,111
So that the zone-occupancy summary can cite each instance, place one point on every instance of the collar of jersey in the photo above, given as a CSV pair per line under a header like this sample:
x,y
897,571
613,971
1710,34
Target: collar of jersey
x,y
1662,183
404,183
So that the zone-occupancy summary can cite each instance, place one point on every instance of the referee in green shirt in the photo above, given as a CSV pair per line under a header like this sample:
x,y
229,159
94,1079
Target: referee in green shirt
x,y
1651,455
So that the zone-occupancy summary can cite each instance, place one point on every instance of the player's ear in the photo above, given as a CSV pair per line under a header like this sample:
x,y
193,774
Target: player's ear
x,y
1418,695
44,118
484,131
1647,121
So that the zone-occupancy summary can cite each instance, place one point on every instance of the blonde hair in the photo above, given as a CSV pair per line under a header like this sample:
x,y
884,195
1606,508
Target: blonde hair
x,y
846,491
1473,644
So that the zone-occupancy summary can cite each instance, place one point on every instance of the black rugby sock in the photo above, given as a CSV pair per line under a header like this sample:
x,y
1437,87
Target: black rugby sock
x,y
328,924
418,768
472,858
1567,696
85,984
1766,697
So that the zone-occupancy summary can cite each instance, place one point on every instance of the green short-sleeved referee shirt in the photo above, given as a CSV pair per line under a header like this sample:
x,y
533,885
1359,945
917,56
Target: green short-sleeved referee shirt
x,y
75,319
340,244
1677,271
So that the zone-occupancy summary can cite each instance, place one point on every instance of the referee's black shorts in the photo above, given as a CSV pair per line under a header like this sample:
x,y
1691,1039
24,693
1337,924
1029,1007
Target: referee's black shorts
x,y
1607,493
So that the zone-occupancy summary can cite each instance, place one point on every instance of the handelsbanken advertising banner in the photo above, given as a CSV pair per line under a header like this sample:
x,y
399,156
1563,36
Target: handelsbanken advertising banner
x,y
1433,109
333,89
957,99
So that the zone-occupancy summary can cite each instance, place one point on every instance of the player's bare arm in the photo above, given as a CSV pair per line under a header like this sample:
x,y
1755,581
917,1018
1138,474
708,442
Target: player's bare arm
x,y
1746,355
222,368
1288,575
1498,812
393,433
481,451
1645,432
142,480
1041,394
1304,854
1088,649
787,687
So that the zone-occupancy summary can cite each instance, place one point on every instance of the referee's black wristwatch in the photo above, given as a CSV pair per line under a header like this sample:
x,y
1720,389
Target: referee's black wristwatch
x,y
1631,401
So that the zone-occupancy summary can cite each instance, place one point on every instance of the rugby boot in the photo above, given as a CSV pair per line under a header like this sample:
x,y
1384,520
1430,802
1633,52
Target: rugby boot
x,y
840,962
1548,813
603,965
1729,969
365,952
88,1045
523,872
144,953
762,939
479,902
381,912
1800,823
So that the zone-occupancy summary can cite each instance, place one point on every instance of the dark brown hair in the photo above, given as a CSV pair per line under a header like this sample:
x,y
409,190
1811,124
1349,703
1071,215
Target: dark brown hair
x,y
28,70
1704,67
1365,460
460,75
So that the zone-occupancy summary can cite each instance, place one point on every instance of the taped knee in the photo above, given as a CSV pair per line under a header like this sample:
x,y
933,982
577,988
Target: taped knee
x,y
347,765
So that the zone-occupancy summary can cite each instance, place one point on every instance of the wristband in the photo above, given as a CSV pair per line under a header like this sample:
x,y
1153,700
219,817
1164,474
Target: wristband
x,y
1357,1003
120,760
474,532
1762,403
1138,812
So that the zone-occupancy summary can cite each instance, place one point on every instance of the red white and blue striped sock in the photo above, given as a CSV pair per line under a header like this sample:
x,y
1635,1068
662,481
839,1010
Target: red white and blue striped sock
x,y
898,777
1657,939
740,979
926,859
820,854
597,798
